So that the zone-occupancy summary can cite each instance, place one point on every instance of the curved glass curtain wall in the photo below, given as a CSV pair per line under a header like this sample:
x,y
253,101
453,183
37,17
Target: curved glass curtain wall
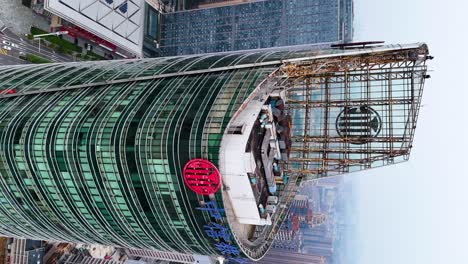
x,y
101,163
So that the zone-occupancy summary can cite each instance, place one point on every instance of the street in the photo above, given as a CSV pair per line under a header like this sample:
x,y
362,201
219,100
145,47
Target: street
x,y
7,59
12,46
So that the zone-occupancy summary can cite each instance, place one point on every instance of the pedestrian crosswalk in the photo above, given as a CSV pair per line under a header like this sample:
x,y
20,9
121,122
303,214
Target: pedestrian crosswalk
x,y
3,52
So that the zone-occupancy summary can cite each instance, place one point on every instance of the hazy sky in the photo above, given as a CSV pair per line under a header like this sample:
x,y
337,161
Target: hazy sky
x,y
417,212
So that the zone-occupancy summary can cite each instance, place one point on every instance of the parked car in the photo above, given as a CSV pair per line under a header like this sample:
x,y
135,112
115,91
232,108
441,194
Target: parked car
x,y
6,42
14,45
6,47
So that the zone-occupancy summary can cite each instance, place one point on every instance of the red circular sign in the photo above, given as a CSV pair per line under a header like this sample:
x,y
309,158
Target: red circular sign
x,y
201,176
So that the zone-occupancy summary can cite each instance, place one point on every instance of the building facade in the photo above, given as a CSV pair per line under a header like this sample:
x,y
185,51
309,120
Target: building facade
x,y
22,251
277,256
127,153
169,256
117,22
256,25
155,28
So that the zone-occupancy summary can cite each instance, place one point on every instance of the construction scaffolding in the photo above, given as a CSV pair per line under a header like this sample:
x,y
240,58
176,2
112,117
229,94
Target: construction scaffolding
x,y
353,112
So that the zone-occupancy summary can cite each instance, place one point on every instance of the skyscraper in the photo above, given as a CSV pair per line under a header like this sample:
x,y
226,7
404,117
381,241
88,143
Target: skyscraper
x,y
195,154
255,25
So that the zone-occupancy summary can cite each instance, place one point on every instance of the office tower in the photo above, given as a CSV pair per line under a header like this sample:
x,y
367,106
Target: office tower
x,y
195,154
255,25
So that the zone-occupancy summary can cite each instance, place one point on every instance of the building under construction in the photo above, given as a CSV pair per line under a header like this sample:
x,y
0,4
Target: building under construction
x,y
196,154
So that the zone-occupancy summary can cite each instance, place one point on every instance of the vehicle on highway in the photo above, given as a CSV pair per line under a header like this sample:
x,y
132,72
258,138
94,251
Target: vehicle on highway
x,y
6,47
6,42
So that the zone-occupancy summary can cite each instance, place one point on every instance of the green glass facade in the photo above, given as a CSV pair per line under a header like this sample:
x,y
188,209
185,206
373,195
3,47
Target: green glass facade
x,y
93,152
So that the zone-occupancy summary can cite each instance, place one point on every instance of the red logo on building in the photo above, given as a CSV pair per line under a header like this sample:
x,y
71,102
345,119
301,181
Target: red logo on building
x,y
201,176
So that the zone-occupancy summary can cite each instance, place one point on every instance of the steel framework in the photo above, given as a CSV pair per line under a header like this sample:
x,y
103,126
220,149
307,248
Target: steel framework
x,y
354,112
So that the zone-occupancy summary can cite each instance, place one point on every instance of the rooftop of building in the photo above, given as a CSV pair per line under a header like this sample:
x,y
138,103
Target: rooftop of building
x,y
117,21
247,154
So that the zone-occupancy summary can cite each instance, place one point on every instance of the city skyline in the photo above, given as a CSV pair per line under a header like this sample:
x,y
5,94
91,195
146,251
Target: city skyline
x,y
335,198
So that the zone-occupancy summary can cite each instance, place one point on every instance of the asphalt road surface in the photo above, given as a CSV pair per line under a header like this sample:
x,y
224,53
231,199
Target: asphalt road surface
x,y
12,46
6,59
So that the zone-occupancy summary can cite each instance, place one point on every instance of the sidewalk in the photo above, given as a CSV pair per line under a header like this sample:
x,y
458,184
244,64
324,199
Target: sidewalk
x,y
19,18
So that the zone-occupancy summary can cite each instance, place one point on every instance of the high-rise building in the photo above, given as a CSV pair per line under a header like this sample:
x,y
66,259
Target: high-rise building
x,y
317,232
288,241
22,251
277,256
317,219
255,25
166,6
318,241
195,154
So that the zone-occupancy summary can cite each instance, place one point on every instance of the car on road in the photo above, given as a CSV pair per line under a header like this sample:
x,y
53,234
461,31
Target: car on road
x,y
6,42
6,47
14,45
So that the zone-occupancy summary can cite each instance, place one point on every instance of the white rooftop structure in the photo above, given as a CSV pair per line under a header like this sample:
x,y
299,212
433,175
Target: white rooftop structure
x,y
236,164
117,21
